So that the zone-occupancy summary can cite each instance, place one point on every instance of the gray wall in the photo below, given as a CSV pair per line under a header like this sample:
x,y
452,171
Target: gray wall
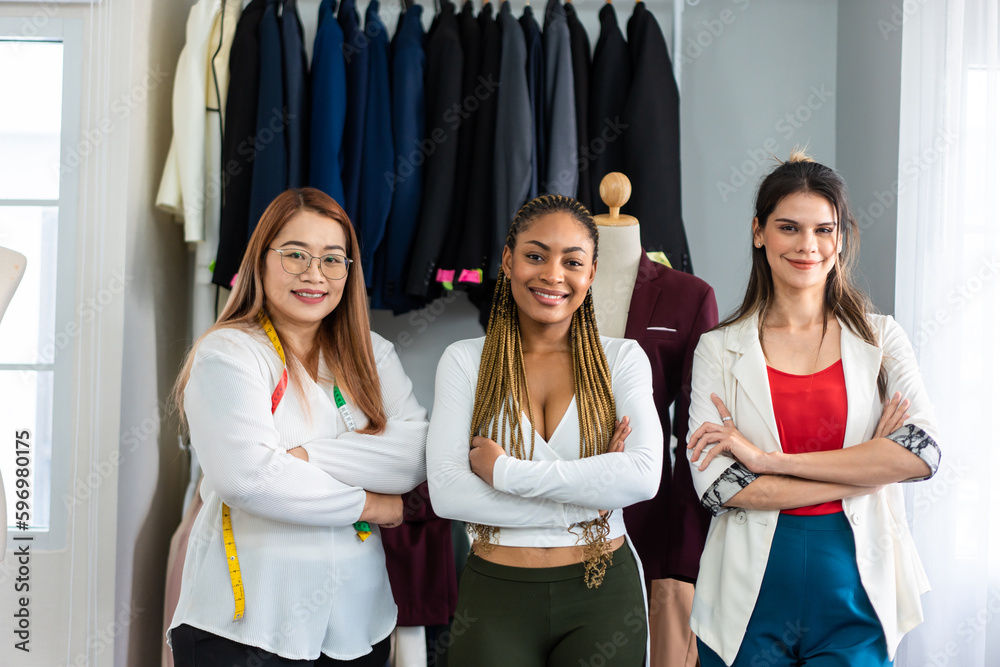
x,y
758,77
869,52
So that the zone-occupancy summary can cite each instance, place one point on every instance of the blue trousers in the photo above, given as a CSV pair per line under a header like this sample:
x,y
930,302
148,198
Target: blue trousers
x,y
812,609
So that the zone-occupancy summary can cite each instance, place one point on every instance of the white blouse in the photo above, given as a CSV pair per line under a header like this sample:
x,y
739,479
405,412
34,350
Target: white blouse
x,y
311,585
535,502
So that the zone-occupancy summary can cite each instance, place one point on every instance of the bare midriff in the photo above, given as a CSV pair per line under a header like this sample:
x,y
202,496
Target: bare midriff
x,y
538,556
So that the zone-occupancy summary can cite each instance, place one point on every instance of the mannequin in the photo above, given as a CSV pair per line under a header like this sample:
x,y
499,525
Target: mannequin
x,y
620,250
12,266
665,311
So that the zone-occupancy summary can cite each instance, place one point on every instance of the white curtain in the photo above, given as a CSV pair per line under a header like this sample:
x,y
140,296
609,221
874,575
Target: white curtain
x,y
947,299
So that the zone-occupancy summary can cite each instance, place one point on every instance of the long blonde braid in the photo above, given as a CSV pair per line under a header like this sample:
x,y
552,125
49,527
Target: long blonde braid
x,y
501,384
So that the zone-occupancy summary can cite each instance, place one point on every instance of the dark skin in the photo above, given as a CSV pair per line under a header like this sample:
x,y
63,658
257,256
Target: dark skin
x,y
550,269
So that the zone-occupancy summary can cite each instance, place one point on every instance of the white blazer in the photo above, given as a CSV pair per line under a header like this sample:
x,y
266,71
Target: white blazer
x,y
730,362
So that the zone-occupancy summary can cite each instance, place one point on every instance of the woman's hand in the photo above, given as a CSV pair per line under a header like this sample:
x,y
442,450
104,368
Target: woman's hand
x,y
383,509
483,456
299,453
893,415
726,440
622,429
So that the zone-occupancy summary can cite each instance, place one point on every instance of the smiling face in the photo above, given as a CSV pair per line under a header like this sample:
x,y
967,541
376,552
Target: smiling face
x,y
303,301
550,268
801,239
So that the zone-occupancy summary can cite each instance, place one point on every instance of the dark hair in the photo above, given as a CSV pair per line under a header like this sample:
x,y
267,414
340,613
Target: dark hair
x,y
842,297
545,205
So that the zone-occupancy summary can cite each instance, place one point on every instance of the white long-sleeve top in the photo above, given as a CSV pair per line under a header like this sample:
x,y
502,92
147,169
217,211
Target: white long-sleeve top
x,y
535,502
311,585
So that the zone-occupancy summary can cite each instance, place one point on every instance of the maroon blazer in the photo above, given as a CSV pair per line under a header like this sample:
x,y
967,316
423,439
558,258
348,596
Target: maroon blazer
x,y
421,563
668,313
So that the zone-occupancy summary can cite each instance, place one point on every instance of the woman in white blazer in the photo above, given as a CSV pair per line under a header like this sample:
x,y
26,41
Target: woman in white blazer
x,y
797,453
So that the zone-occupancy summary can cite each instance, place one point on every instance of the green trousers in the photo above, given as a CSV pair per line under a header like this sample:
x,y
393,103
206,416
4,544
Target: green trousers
x,y
547,617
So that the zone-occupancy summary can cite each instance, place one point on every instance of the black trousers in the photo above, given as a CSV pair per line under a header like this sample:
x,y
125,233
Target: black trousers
x,y
197,648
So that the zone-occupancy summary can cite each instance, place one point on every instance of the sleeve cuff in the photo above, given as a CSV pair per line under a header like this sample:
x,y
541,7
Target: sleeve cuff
x,y
916,440
735,478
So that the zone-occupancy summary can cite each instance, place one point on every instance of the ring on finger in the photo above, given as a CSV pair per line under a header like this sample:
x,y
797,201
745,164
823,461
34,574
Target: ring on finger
x,y
725,419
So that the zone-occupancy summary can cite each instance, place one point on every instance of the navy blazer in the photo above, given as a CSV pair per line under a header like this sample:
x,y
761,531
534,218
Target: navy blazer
x,y
295,70
378,158
329,105
407,187
270,171
352,149
668,313
238,144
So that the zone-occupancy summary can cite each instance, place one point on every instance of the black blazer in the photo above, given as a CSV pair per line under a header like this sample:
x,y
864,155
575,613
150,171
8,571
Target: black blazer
x,y
610,79
579,46
653,141
443,90
467,120
270,173
474,249
238,144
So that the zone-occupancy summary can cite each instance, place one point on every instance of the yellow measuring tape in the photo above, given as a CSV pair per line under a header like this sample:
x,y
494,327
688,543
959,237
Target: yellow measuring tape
x,y
232,560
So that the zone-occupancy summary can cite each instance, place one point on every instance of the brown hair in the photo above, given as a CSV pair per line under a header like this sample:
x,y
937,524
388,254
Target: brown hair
x,y
344,336
841,297
501,384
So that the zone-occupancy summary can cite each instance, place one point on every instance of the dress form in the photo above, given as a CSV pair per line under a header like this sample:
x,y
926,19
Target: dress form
x,y
12,265
618,257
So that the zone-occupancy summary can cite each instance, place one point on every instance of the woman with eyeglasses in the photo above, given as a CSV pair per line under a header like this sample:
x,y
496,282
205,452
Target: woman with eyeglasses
x,y
308,432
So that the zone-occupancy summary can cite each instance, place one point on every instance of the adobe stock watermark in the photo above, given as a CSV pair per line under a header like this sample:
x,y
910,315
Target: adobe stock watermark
x,y
910,169
960,296
709,31
120,110
454,116
786,127
86,312
420,320
897,17
611,131
32,25
968,629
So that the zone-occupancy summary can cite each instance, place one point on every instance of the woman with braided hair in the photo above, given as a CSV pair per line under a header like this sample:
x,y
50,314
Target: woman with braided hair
x,y
541,432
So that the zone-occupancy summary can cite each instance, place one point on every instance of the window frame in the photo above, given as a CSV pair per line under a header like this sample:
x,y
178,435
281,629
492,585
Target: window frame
x,y
69,32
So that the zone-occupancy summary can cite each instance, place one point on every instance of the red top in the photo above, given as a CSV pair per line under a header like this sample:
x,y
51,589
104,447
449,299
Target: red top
x,y
811,413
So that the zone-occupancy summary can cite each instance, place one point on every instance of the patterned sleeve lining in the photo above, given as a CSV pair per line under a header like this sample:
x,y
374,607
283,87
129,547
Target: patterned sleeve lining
x,y
736,478
917,441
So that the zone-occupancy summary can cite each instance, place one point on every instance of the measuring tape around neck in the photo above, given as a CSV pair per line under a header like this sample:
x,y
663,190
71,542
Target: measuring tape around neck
x,y
228,539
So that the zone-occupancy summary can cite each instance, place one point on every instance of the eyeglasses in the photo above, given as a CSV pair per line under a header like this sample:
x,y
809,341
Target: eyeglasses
x,y
297,262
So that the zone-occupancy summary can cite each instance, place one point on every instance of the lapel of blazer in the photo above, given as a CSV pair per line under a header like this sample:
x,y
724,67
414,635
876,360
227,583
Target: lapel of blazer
x,y
750,372
861,363
644,296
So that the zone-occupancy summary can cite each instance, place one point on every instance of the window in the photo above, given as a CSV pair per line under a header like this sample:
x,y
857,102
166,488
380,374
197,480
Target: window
x,y
39,119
